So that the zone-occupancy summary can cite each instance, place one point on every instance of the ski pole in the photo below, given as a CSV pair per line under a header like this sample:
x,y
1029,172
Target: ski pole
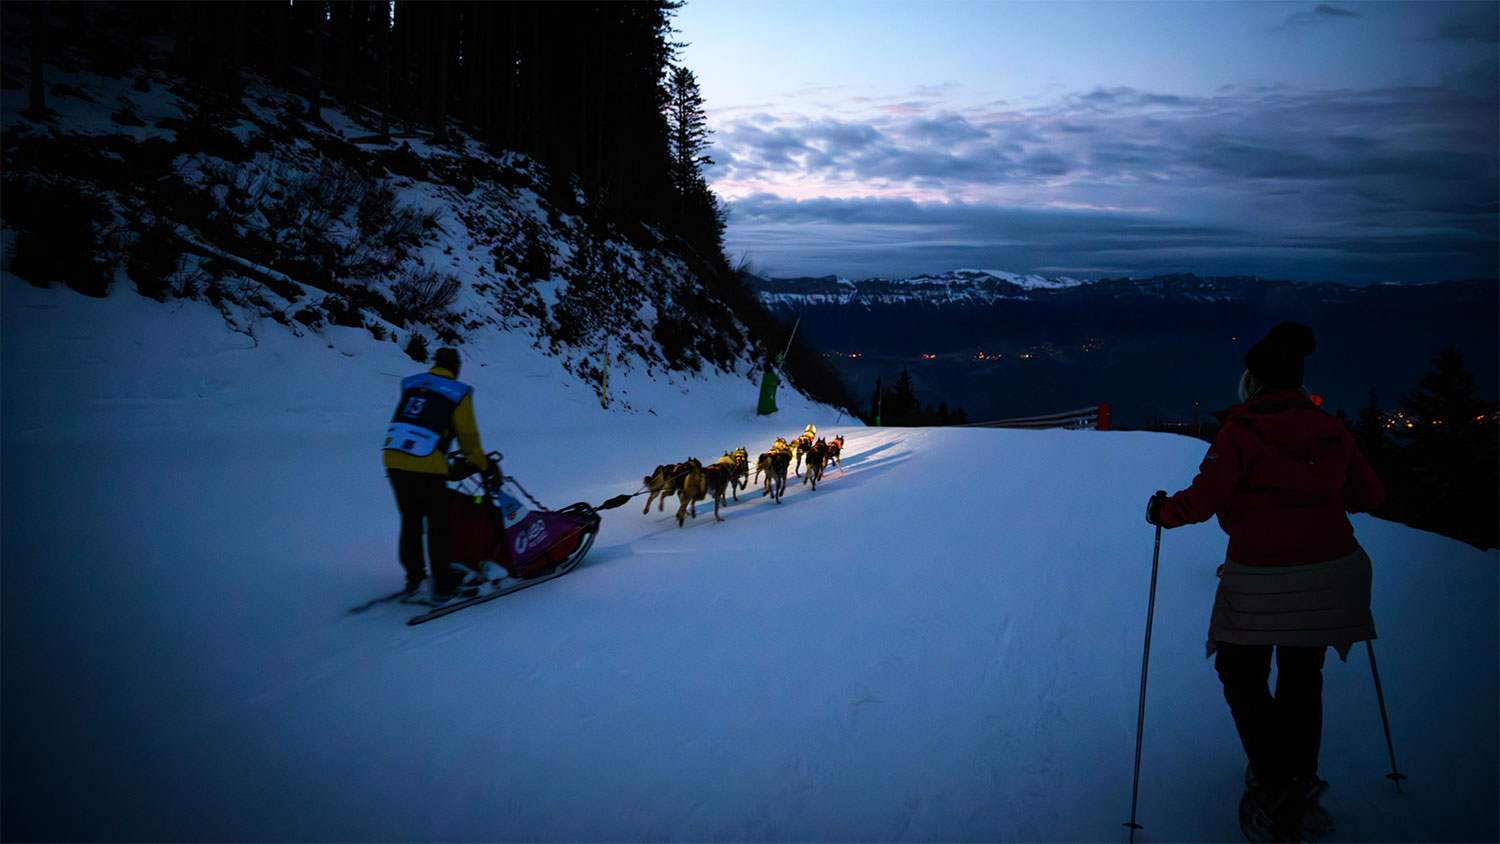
x,y
1140,716
1395,775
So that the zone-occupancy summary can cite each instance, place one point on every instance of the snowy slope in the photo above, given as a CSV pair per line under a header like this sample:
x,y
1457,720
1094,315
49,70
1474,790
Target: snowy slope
x,y
942,643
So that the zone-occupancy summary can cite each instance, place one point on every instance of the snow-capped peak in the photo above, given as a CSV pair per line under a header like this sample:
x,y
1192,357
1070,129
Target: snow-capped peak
x,y
1030,282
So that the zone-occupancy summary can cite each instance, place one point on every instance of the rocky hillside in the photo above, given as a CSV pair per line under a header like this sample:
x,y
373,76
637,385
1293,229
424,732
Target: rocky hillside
x,y
133,179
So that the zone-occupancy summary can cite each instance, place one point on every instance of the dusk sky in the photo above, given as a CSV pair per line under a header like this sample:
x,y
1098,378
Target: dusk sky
x,y
1351,142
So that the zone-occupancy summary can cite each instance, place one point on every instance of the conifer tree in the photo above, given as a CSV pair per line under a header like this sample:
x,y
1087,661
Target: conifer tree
x,y
902,406
701,215
1451,456
687,127
1369,431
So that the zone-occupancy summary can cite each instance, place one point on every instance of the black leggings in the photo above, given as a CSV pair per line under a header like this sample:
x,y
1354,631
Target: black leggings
x,y
1281,734
423,497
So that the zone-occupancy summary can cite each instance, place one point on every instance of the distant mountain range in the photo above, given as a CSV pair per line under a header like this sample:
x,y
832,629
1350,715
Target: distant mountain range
x,y
1160,349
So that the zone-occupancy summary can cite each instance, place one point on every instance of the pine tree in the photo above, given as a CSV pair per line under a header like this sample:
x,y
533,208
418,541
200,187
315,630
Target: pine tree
x,y
1444,403
1452,457
902,406
687,128
701,215
1369,431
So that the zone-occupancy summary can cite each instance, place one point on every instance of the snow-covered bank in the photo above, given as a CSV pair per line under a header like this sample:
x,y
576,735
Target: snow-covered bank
x,y
942,643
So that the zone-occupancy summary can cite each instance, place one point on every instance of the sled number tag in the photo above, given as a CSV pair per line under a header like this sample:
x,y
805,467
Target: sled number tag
x,y
511,508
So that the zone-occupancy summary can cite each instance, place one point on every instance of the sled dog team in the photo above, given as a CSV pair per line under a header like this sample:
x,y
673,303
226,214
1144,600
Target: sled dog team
x,y
691,481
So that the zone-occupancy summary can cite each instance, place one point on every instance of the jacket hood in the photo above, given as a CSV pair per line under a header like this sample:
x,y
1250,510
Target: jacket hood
x,y
1289,422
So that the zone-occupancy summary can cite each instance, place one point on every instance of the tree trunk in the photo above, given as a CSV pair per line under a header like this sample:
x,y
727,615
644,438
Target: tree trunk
x,y
341,14
512,82
534,80
476,93
440,75
399,55
602,93
384,23
276,20
38,108
236,70
315,73
182,45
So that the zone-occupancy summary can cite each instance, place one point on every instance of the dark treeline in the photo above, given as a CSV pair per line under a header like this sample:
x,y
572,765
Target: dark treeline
x,y
587,89
1439,455
899,405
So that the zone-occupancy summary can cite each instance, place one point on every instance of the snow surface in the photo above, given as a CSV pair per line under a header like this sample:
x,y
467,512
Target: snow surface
x,y
942,643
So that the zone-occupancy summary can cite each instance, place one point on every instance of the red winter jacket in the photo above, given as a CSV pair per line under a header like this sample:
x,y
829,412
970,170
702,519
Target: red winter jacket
x,y
1280,475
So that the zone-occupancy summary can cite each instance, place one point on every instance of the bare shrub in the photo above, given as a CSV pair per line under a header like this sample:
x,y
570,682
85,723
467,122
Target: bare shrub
x,y
422,294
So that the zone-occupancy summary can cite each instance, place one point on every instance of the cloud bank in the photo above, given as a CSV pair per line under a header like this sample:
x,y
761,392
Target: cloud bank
x,y
1390,184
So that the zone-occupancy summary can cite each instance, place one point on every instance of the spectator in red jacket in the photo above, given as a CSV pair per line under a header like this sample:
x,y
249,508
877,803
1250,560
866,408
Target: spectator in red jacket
x,y
1280,476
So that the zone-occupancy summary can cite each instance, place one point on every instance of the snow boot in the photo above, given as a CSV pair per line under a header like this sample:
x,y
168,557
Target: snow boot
x,y
1313,823
1288,813
1255,821
465,575
495,576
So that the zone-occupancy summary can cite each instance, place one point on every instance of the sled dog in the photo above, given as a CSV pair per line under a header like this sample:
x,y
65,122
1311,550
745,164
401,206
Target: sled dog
x,y
691,490
835,449
800,447
739,477
817,458
662,482
716,479
774,464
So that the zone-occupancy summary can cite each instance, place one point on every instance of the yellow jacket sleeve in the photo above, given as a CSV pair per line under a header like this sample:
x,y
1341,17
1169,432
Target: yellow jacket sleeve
x,y
467,432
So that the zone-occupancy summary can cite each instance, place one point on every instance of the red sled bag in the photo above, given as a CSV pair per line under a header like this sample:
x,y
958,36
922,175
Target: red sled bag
x,y
526,542
476,532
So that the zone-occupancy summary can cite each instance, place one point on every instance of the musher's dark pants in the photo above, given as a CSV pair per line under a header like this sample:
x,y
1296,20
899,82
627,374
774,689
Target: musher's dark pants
x,y
423,497
1281,734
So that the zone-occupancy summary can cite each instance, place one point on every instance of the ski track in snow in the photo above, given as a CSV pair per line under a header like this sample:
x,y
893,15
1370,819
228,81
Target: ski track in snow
x,y
942,643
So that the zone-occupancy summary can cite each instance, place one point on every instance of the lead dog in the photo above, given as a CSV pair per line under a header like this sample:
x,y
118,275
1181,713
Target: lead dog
x,y
835,448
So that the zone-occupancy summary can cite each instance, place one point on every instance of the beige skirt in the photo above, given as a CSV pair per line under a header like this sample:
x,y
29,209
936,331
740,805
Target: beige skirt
x,y
1324,603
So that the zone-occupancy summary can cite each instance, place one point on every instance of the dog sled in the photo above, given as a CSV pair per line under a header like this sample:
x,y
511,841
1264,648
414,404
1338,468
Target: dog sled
x,y
504,537
495,520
